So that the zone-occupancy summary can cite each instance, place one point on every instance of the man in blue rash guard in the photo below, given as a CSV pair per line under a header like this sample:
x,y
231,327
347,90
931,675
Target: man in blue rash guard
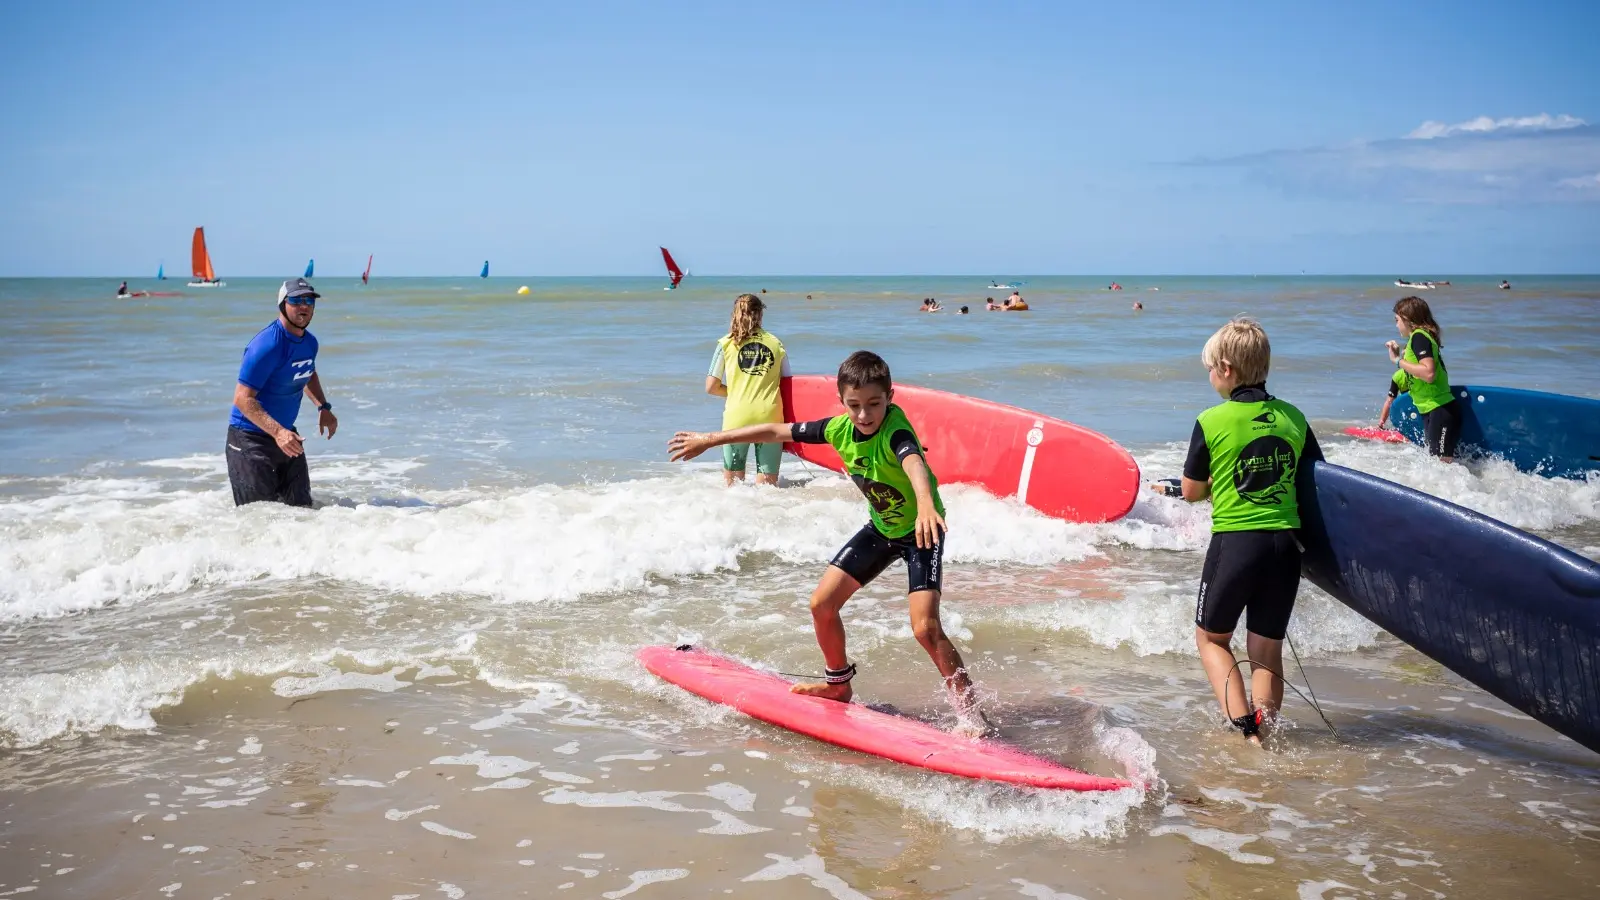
x,y
266,455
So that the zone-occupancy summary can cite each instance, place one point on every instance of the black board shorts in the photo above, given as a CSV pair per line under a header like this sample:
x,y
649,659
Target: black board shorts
x,y
1256,573
259,470
868,553
1441,427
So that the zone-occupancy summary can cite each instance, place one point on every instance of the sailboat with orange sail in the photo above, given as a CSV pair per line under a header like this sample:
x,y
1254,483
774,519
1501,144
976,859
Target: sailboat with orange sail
x,y
200,258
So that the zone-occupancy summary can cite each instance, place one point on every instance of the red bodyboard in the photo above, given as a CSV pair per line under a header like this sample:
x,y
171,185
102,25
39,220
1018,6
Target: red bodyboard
x,y
1058,468
1387,435
764,696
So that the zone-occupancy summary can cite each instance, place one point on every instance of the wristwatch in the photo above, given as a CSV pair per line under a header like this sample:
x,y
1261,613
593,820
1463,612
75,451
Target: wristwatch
x,y
325,407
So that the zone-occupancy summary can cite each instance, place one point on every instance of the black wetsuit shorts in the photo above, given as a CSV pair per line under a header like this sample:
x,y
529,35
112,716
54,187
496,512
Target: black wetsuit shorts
x,y
1249,572
1441,428
259,470
868,553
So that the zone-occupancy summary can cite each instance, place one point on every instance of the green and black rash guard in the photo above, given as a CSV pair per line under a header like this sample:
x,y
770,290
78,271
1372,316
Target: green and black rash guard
x,y
1253,452
874,462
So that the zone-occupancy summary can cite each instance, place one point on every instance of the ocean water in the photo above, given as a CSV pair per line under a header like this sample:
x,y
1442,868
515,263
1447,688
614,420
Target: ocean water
x,y
426,687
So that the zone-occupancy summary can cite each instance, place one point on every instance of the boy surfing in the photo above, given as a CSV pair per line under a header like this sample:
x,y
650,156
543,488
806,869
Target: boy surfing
x,y
881,452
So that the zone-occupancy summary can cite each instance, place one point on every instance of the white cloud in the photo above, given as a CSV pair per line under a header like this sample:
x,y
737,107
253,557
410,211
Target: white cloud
x,y
1533,159
1485,125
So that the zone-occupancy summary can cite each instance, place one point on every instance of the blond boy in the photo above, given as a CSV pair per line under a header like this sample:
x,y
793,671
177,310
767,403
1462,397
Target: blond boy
x,y
1247,455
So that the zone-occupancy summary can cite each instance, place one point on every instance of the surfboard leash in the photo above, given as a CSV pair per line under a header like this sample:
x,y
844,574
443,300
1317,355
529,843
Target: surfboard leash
x,y
1310,701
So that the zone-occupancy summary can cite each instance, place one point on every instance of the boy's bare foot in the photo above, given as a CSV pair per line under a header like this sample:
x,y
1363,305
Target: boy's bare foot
x,y
839,692
972,723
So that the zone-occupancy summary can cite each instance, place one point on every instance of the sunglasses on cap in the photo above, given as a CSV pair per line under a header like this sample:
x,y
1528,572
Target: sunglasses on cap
x,y
300,301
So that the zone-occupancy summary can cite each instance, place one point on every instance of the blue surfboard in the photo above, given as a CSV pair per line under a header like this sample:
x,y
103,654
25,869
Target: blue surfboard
x,y
1547,434
1516,615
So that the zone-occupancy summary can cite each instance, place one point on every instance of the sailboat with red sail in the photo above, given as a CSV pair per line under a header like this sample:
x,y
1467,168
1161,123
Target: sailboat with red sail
x,y
200,259
675,273
368,273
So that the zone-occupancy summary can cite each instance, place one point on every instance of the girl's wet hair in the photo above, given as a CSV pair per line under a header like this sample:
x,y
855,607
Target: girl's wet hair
x,y
1415,310
747,310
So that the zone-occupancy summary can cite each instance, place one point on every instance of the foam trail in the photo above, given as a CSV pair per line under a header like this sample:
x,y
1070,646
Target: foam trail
x,y
123,541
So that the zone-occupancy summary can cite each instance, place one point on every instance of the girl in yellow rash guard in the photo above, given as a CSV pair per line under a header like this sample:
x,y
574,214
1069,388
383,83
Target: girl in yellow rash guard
x,y
746,368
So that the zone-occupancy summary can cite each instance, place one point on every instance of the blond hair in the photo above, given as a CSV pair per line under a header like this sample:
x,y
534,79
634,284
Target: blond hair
x,y
747,310
1242,344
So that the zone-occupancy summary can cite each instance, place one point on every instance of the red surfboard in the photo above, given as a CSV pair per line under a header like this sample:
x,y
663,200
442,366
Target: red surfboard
x,y
1387,435
1058,468
764,696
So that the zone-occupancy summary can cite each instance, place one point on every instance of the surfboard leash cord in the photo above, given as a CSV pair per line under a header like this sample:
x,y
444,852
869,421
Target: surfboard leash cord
x,y
1310,701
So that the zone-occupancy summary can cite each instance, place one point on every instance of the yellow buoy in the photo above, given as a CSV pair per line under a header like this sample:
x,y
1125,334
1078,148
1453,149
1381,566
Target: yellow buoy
x,y
523,289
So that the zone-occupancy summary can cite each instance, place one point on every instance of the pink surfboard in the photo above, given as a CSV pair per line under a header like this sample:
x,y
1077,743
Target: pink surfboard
x,y
1387,435
764,696
1058,468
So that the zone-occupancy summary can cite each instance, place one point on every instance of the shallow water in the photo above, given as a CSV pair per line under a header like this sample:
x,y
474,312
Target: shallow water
x,y
426,686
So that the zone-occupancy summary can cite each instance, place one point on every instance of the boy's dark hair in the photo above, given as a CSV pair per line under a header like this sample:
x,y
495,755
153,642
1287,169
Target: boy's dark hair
x,y
862,368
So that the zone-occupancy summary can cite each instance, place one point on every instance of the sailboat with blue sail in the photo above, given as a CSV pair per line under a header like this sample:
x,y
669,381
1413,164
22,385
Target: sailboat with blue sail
x,y
161,271
311,265
485,272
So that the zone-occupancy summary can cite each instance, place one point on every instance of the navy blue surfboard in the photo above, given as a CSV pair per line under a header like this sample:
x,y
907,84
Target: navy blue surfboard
x,y
1516,615
1547,434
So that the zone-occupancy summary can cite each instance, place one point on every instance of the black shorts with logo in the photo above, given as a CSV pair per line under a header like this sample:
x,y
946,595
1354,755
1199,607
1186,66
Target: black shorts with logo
x,y
259,470
868,553
1252,572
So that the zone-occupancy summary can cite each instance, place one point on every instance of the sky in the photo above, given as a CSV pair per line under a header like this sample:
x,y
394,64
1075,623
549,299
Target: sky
x,y
994,139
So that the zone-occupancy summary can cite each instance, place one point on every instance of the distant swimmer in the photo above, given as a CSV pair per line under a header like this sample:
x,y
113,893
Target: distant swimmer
x,y
122,290
992,305
1247,455
1015,303
747,368
1422,358
266,455
1505,285
808,296
930,305
1114,287
962,312
1138,305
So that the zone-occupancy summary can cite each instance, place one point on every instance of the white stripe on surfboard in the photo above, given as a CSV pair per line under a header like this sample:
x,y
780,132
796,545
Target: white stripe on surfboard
x,y
1035,438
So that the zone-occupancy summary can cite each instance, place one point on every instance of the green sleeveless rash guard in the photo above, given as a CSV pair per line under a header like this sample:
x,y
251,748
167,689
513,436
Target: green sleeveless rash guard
x,y
1429,397
878,473
1255,454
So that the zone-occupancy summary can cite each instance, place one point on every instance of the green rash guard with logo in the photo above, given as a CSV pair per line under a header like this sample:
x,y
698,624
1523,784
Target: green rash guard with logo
x,y
1252,448
874,464
1428,396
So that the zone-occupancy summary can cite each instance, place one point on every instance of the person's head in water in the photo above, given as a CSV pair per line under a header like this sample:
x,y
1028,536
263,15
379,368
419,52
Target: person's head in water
x,y
963,310
747,312
1237,355
865,389
297,301
1411,313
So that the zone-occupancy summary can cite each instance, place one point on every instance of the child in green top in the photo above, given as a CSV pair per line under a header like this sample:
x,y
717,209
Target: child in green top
x,y
881,452
1247,454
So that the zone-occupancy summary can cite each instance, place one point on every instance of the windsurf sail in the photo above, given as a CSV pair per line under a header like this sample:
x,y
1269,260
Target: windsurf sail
x,y
161,271
200,259
311,264
672,267
368,273
485,272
